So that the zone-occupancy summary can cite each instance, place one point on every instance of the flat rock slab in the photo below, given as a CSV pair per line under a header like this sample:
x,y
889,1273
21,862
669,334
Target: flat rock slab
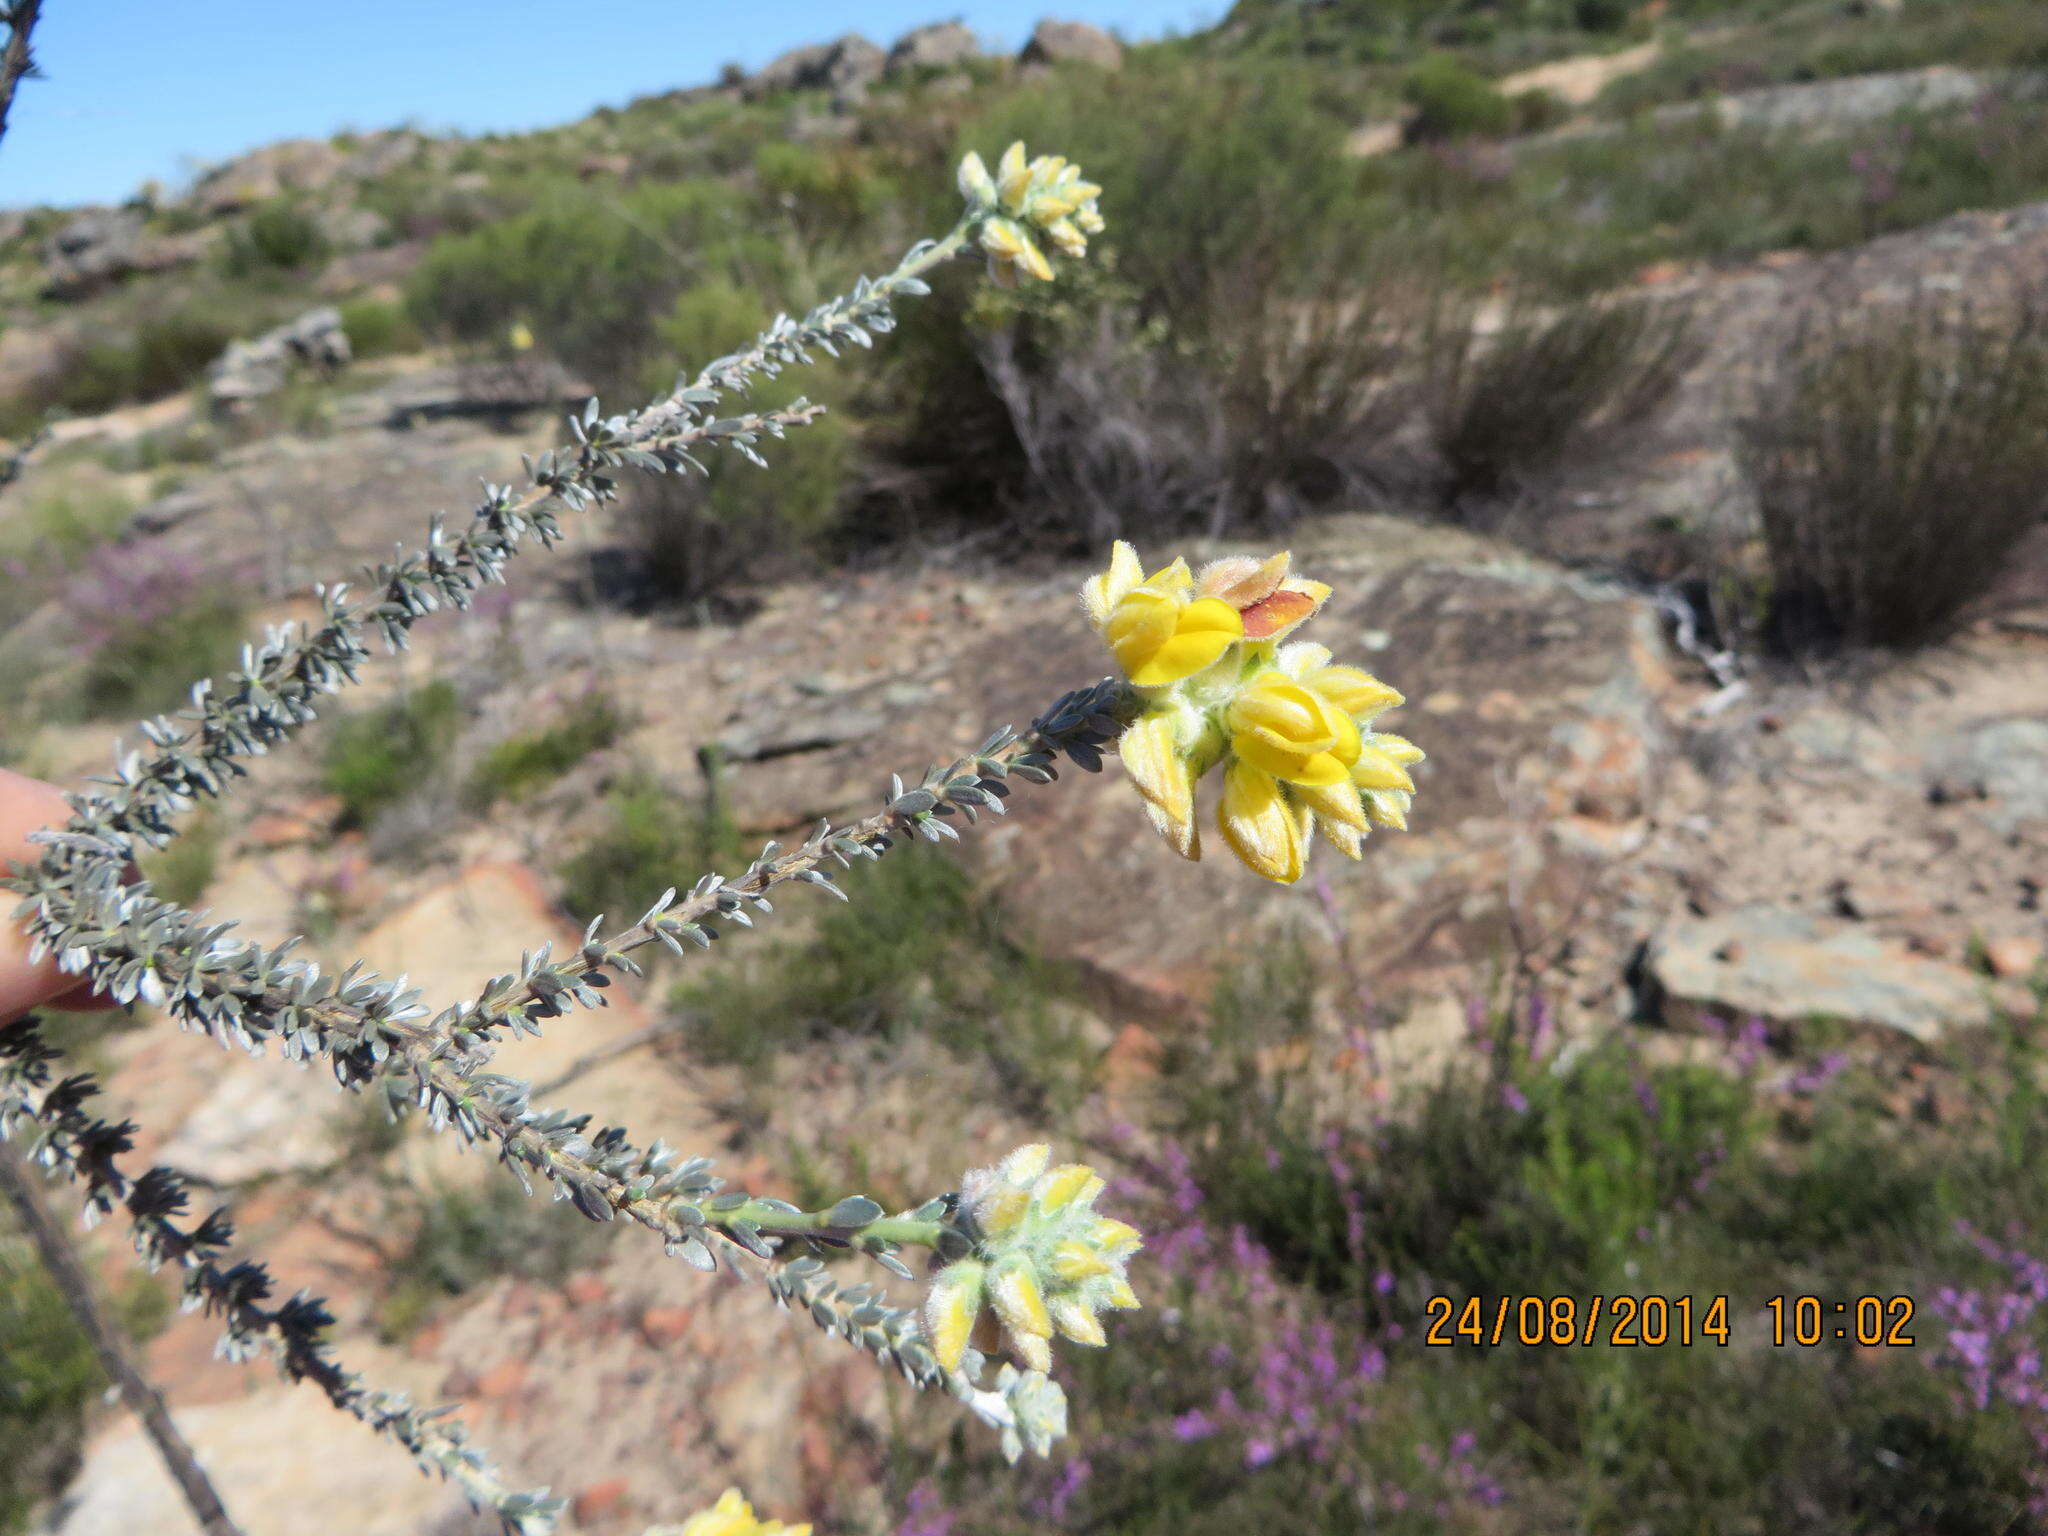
x,y
1770,962
283,1460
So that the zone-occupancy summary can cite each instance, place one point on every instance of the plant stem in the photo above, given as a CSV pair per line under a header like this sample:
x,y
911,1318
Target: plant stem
x,y
143,1400
17,63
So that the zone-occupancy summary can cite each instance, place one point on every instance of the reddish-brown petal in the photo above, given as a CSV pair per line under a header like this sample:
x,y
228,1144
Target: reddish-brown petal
x,y
1275,612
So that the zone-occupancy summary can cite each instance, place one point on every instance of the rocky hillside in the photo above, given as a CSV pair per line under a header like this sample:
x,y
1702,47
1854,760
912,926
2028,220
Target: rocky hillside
x,y
1634,807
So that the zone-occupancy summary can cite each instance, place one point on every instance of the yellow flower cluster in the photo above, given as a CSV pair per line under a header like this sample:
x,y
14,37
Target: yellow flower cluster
x,y
731,1516
1045,196
1292,730
1044,1262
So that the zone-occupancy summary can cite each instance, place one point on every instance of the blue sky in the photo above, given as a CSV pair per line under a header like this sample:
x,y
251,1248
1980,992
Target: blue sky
x,y
147,88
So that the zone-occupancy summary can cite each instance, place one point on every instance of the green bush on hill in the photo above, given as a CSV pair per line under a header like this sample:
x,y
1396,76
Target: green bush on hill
x,y
1451,101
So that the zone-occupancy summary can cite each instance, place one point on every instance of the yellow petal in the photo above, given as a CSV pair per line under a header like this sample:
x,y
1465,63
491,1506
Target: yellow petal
x,y
974,181
1182,656
1077,1322
1077,1261
1349,840
1174,578
1376,770
1301,659
1013,176
1399,748
1001,1212
1151,757
1263,751
1387,808
1100,594
1063,234
1259,825
1026,1163
1353,690
1337,803
1185,836
1115,1237
950,1307
1139,625
1013,1290
1033,1349
730,1516
1069,1184
1120,1295
1201,632
1001,237
1032,260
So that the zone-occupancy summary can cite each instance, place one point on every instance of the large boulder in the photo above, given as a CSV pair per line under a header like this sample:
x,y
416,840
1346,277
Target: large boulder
x,y
2003,763
296,165
250,370
1072,42
846,67
940,45
1781,964
102,245
274,1456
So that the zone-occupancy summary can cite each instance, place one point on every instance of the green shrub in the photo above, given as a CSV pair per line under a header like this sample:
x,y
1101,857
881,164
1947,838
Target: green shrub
x,y
525,762
1537,110
379,327
1875,432
281,235
182,871
61,516
649,840
1448,100
161,355
463,1238
693,537
915,951
1602,15
827,193
589,273
377,757
1211,369
49,1376
1300,1230
1506,408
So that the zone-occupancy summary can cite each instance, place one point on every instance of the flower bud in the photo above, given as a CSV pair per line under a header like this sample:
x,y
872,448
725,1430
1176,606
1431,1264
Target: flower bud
x,y
1045,1262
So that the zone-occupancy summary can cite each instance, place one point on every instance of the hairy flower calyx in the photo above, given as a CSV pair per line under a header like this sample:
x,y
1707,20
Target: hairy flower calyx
x,y
1024,200
1044,1262
1291,729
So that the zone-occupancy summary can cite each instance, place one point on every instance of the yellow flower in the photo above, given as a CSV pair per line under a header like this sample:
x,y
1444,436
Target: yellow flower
x,y
1100,594
1160,637
1263,826
1292,731
1045,1263
1011,251
734,1516
1292,726
1158,633
1024,197
1153,756
976,185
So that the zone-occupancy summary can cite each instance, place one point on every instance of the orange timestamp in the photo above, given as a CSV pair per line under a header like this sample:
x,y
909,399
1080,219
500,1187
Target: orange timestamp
x,y
1620,1322
1635,1322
